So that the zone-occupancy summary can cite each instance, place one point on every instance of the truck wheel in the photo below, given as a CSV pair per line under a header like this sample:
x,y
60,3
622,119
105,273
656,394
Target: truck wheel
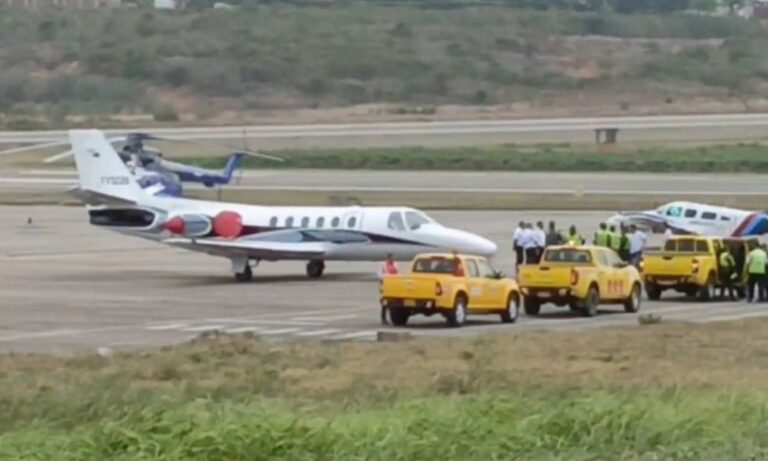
x,y
532,306
399,316
653,292
632,304
512,309
458,316
591,302
707,292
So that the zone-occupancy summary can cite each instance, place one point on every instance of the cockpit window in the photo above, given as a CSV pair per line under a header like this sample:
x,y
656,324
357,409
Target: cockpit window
x,y
415,219
674,211
395,221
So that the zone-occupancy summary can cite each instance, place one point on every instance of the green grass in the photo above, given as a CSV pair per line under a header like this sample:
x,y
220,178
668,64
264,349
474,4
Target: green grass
x,y
743,158
664,424
672,392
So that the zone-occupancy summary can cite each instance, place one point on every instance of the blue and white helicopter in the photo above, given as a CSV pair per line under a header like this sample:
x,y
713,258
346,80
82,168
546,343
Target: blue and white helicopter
x,y
156,174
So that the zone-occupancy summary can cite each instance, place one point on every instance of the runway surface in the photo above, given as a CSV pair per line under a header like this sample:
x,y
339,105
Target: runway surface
x,y
66,287
673,185
653,129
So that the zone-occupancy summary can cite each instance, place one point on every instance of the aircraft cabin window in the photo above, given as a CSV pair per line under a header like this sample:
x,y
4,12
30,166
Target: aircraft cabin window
x,y
351,222
305,221
415,220
289,222
273,221
335,222
708,215
320,222
395,221
725,218
689,213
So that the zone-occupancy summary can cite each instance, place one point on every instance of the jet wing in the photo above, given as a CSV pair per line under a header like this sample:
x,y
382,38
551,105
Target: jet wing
x,y
273,245
251,249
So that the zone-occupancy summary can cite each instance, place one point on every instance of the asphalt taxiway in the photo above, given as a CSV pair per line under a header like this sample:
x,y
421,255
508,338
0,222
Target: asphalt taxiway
x,y
66,286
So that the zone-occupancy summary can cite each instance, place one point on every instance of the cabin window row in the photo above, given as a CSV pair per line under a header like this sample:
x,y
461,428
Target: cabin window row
x,y
692,213
306,222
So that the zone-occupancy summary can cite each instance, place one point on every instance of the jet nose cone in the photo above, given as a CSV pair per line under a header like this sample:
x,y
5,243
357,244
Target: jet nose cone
x,y
486,247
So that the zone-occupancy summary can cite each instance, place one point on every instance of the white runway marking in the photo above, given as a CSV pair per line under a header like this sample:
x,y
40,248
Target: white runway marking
x,y
237,330
203,328
172,326
313,333
280,331
270,322
355,335
325,319
736,316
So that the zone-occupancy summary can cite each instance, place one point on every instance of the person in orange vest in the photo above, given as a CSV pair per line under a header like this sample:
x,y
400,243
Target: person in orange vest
x,y
388,267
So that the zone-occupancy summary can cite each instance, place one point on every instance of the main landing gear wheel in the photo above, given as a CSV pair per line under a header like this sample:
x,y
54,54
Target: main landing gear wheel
x,y
315,269
246,275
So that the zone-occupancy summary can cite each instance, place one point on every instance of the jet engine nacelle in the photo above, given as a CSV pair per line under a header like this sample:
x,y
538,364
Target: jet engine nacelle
x,y
189,225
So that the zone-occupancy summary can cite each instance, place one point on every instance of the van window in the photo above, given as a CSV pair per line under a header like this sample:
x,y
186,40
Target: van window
x,y
708,215
701,246
679,245
690,213
472,268
567,255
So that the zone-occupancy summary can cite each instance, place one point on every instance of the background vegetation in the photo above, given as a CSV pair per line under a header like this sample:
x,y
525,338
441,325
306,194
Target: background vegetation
x,y
666,391
202,62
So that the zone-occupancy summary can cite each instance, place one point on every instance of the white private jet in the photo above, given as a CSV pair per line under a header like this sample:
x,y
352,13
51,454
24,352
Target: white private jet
x,y
697,218
248,234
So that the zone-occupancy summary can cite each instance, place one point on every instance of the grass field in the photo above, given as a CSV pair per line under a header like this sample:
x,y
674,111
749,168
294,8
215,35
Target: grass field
x,y
742,158
667,391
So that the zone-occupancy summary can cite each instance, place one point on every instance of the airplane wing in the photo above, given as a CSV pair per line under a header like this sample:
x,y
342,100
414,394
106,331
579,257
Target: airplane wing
x,y
283,244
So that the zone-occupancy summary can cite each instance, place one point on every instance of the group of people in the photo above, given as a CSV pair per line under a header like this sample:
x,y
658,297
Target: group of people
x,y
530,241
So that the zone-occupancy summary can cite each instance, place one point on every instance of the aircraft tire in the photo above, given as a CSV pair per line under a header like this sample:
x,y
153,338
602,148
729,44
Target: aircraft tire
x,y
315,268
246,275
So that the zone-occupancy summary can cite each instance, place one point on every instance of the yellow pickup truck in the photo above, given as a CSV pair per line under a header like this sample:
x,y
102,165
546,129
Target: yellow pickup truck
x,y
453,286
582,278
690,265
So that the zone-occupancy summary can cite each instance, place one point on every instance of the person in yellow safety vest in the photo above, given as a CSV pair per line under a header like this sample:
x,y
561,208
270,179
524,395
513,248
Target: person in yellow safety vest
x,y
615,239
624,245
573,237
602,238
727,273
756,261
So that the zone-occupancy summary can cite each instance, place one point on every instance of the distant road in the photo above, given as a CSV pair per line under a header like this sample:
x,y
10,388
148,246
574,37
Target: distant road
x,y
667,128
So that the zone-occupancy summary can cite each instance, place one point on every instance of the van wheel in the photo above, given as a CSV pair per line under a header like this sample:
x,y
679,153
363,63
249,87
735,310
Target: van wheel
x,y
632,304
653,292
591,302
399,316
707,292
512,309
532,306
458,316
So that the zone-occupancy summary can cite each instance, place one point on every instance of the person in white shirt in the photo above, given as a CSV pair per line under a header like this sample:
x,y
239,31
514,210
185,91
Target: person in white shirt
x,y
637,240
528,242
540,237
519,256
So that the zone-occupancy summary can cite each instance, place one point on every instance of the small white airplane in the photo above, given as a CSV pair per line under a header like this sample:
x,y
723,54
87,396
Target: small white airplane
x,y
248,234
696,218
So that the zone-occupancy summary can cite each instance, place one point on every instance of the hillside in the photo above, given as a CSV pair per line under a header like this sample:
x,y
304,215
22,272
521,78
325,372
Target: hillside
x,y
219,65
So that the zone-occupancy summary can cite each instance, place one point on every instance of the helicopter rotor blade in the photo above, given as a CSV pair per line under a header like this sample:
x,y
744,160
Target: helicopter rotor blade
x,y
255,154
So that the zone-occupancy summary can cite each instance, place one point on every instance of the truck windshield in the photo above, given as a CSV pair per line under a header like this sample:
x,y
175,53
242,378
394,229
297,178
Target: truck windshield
x,y
567,255
438,265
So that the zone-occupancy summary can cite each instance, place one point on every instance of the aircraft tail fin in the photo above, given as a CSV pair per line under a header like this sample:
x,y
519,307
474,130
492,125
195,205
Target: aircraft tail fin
x,y
100,169
232,163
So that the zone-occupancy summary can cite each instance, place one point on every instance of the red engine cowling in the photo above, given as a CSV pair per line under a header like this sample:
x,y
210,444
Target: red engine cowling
x,y
228,224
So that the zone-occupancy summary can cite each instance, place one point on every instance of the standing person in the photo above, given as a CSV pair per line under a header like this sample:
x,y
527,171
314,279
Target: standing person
x,y
574,238
388,267
602,238
528,242
519,255
541,239
637,241
727,273
554,237
756,262
615,239
624,245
